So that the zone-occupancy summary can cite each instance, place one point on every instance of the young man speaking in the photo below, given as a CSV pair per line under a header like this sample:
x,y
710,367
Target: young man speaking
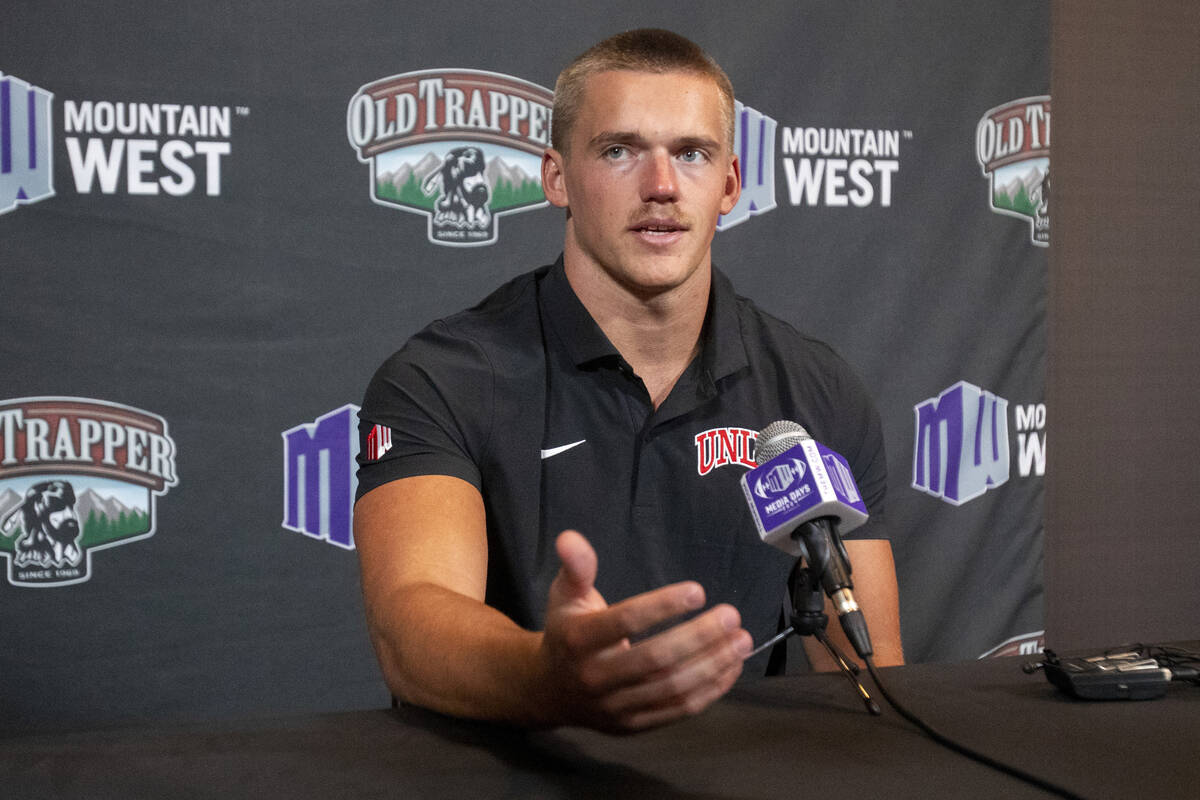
x,y
538,544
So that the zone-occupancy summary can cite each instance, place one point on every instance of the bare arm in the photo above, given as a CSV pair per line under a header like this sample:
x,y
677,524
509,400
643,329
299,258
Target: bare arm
x,y
878,596
423,549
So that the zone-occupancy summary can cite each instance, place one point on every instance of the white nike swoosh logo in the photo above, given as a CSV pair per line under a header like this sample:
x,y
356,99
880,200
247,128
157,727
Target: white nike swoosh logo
x,y
553,451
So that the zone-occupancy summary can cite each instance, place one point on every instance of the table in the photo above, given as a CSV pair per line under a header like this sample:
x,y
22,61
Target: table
x,y
797,736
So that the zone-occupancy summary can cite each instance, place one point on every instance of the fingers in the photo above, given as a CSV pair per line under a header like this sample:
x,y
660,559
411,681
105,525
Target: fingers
x,y
578,571
633,713
673,662
677,673
573,593
620,686
632,617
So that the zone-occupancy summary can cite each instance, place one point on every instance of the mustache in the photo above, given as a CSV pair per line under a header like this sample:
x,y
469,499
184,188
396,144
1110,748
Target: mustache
x,y
659,217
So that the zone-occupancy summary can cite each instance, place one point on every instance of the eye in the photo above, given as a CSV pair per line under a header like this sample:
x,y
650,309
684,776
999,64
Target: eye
x,y
692,155
616,151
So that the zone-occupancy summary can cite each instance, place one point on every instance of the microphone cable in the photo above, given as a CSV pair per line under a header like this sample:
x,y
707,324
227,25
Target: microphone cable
x,y
962,749
1184,664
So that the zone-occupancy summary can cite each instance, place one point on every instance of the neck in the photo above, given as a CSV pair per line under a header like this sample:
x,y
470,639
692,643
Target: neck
x,y
657,332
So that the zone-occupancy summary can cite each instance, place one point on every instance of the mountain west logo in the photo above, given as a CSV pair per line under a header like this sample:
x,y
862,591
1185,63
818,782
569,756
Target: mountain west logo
x,y
1012,144
318,476
1025,644
720,447
754,144
113,147
26,167
463,147
76,475
841,167
961,444
174,149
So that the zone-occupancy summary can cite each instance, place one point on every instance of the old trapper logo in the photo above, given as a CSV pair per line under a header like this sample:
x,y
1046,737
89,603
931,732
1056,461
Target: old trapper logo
x,y
26,168
1012,144
76,475
463,147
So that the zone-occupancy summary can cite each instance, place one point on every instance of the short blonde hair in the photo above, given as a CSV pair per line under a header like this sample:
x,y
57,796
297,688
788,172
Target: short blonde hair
x,y
641,50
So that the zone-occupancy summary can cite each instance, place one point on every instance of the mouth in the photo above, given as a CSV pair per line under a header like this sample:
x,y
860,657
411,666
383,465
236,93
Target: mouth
x,y
659,229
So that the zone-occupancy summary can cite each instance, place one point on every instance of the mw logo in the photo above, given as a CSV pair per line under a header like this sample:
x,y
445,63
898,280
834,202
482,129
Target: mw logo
x,y
318,476
961,447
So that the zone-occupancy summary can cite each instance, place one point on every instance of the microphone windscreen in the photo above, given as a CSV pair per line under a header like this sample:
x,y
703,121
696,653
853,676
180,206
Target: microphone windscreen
x,y
778,437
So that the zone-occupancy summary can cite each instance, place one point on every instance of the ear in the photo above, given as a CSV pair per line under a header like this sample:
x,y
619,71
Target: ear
x,y
733,185
554,182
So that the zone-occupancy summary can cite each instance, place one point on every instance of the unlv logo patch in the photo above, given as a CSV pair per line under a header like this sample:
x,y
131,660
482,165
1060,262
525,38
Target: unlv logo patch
x,y
720,447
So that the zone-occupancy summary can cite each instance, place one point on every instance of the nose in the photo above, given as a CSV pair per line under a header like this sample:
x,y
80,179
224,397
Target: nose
x,y
659,181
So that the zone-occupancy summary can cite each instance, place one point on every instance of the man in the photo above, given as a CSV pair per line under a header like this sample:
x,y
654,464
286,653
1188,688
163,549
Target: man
x,y
613,362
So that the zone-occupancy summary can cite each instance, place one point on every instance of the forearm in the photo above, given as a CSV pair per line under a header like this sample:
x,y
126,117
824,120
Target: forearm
x,y
878,595
885,641
423,551
451,653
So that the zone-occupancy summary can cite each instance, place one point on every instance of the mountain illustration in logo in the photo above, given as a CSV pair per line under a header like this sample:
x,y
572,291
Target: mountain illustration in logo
x,y
8,500
107,519
1022,193
102,519
510,186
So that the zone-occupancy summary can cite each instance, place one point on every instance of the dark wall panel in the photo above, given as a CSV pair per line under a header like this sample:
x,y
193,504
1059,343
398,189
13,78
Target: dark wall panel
x,y
1122,513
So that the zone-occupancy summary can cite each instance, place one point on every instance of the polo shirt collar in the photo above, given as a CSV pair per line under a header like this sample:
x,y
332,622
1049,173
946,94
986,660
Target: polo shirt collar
x,y
722,351
579,334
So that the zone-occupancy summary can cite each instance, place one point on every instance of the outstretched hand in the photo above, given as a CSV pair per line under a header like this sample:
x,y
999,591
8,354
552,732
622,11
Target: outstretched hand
x,y
598,678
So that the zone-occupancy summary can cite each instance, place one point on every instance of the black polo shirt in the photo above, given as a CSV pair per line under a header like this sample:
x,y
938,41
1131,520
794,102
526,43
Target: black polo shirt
x,y
524,397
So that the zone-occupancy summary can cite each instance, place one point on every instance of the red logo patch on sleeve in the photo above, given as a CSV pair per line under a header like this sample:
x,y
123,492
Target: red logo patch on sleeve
x,y
379,441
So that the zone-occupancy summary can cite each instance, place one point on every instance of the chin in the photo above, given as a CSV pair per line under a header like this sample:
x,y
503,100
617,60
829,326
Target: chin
x,y
662,277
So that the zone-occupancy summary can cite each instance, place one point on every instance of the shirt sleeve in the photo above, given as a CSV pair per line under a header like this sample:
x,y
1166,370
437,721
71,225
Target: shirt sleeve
x,y
839,413
860,433
426,411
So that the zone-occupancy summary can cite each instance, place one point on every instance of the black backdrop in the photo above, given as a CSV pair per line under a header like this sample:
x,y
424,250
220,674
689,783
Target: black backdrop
x,y
238,317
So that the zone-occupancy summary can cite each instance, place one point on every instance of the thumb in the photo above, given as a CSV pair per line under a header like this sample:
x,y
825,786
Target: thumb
x,y
577,575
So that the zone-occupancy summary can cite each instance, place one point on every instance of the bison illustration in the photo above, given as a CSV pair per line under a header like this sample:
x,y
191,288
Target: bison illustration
x,y
464,190
51,529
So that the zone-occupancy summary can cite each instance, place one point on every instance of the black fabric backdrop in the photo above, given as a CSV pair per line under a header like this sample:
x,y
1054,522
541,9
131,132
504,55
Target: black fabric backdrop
x,y
241,315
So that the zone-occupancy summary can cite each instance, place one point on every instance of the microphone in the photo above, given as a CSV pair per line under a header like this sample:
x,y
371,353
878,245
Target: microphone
x,y
799,495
